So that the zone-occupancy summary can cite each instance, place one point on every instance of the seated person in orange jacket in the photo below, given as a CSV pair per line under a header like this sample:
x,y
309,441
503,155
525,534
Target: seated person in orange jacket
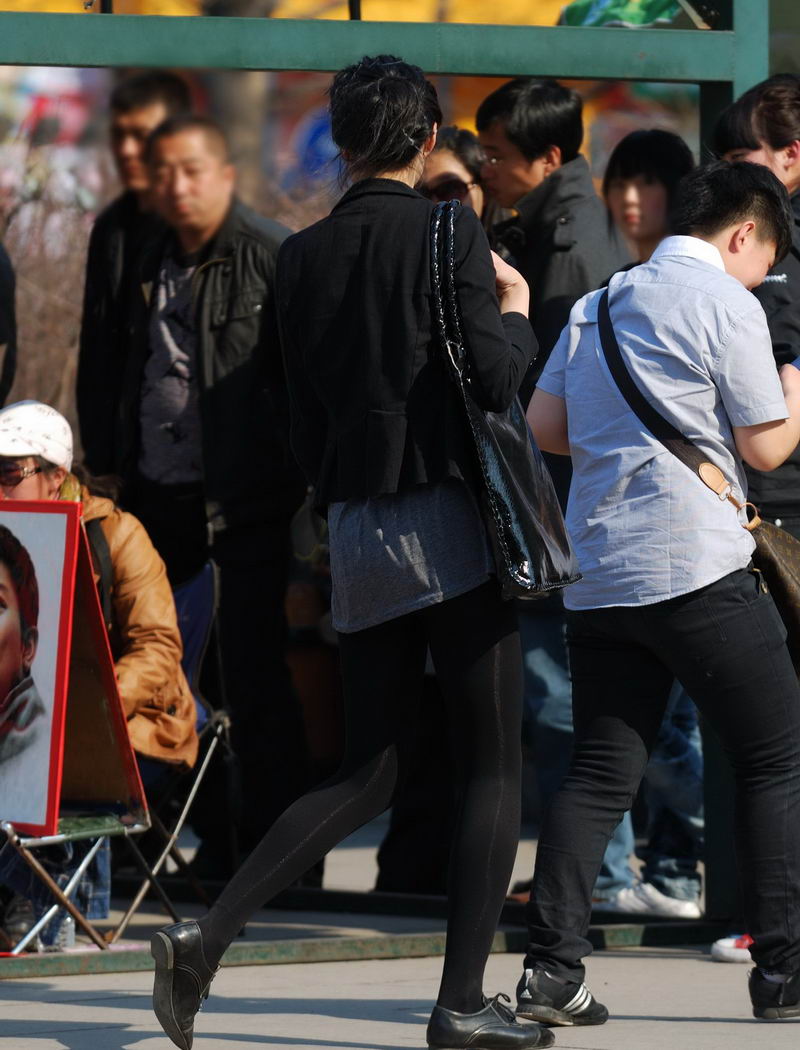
x,y
35,464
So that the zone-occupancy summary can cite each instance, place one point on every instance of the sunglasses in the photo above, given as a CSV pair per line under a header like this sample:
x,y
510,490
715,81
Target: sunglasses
x,y
447,190
11,474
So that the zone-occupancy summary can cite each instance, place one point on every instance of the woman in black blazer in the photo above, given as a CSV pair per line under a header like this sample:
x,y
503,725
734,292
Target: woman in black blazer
x,y
379,432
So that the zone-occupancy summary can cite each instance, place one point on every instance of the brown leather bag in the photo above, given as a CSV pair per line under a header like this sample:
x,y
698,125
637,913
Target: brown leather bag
x,y
777,553
777,557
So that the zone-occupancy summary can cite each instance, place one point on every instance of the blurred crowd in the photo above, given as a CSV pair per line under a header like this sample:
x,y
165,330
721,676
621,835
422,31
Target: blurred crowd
x,y
183,415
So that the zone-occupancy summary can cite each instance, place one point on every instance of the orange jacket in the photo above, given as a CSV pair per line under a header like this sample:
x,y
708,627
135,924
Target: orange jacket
x,y
145,639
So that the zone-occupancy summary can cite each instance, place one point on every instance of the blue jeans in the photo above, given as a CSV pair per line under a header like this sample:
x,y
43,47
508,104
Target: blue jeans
x,y
673,785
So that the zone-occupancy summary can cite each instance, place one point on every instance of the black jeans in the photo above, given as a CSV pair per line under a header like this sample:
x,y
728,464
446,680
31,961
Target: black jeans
x,y
725,644
474,643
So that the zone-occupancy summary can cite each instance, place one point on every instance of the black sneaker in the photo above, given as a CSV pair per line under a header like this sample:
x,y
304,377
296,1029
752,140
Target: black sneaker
x,y
493,1028
554,1000
772,1001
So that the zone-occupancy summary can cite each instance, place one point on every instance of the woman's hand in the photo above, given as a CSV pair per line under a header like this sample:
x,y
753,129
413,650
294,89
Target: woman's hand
x,y
511,287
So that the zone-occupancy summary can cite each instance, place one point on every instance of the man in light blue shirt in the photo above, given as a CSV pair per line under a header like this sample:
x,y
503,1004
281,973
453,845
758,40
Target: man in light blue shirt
x,y
645,530
668,589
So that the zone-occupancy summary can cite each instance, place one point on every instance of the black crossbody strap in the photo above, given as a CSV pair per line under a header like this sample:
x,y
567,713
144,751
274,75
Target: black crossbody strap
x,y
661,429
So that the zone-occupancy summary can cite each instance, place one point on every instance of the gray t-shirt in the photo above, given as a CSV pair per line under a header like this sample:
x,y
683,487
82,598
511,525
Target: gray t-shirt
x,y
696,342
169,410
394,554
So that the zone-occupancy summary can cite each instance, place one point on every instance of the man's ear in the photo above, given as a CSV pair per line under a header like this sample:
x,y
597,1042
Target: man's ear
x,y
741,235
29,644
792,153
552,159
790,159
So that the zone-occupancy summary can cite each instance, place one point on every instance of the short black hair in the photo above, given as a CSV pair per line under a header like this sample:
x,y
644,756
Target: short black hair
x,y
718,195
658,155
17,560
382,111
146,89
211,128
768,114
535,115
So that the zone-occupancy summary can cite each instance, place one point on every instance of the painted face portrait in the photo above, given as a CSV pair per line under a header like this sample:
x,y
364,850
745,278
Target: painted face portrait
x,y
21,707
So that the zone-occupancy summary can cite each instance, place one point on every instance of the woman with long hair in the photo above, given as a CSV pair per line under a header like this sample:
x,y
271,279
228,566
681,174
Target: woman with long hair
x,y
379,431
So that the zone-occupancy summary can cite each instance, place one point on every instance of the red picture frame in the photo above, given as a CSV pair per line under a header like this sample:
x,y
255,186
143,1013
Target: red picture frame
x,y
81,754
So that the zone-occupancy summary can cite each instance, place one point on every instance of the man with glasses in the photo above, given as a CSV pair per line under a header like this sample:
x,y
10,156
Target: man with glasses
x,y
560,237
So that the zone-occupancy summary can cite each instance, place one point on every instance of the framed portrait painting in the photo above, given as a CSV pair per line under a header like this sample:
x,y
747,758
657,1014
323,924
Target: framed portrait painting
x,y
38,555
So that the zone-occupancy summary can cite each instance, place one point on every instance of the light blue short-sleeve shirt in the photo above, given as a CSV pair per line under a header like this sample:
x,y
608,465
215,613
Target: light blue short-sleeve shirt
x,y
696,342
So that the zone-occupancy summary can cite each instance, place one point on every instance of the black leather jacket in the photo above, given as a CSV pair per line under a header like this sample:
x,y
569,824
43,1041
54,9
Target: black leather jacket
x,y
250,476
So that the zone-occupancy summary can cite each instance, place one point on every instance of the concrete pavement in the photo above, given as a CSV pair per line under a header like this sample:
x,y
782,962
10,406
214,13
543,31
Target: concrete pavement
x,y
659,1000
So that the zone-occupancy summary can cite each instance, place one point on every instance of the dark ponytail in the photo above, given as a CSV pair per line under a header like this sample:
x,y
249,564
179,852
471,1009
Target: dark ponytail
x,y
382,111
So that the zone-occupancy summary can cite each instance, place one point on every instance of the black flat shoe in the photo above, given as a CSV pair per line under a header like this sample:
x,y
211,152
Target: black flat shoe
x,y
493,1028
182,979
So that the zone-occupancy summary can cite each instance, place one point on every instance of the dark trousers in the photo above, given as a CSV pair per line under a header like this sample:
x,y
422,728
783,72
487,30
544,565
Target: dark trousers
x,y
725,644
474,643
267,723
415,852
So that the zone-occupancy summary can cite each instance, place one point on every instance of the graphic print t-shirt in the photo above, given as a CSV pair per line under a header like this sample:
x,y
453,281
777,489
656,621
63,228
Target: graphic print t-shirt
x,y
169,410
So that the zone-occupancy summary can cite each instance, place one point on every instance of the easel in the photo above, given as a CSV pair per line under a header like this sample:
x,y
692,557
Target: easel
x,y
94,790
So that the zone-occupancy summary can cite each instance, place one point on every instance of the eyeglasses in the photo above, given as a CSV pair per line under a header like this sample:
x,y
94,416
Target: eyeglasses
x,y
12,474
447,190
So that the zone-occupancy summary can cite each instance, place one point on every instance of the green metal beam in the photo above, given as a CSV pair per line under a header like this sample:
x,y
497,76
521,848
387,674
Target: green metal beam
x,y
751,44
283,44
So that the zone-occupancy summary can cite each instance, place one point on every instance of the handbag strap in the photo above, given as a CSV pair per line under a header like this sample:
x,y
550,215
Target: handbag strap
x,y
670,437
443,285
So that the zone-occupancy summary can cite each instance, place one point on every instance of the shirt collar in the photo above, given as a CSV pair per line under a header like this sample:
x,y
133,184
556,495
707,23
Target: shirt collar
x,y
690,248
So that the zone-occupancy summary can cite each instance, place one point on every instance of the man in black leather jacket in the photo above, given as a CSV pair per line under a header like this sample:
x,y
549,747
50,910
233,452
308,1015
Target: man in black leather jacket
x,y
137,105
202,444
763,126
561,238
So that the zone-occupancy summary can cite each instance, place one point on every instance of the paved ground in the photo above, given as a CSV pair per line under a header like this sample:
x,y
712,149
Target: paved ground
x,y
660,1001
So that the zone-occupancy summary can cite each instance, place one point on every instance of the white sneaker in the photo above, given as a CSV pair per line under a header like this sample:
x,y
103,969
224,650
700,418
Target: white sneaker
x,y
735,948
645,899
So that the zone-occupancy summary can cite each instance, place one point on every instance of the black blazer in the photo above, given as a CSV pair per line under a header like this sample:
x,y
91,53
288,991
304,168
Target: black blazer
x,y
372,408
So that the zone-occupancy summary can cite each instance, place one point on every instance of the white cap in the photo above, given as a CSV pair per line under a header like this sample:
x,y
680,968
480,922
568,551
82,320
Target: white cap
x,y
31,428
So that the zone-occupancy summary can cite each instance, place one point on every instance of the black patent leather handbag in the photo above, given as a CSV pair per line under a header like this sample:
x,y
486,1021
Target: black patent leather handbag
x,y
532,551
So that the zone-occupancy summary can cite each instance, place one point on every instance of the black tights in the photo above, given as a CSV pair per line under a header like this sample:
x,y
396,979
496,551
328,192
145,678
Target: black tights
x,y
474,643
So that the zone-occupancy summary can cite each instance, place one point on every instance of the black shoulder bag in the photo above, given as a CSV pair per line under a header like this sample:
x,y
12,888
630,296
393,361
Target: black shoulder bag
x,y
777,553
532,551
